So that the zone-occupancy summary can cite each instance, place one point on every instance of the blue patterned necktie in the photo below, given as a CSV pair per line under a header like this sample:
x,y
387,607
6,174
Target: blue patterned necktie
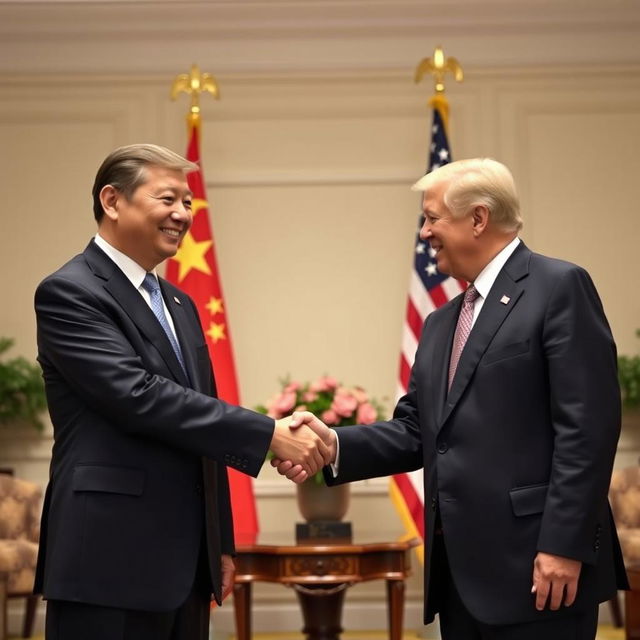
x,y
151,284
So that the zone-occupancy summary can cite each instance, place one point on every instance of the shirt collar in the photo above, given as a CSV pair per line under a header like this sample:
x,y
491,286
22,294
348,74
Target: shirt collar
x,y
134,272
488,275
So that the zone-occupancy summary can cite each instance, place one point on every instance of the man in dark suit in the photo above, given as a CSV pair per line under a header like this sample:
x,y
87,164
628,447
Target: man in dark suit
x,y
137,526
513,410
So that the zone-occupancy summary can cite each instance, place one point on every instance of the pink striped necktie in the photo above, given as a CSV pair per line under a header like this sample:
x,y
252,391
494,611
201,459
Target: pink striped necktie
x,y
463,328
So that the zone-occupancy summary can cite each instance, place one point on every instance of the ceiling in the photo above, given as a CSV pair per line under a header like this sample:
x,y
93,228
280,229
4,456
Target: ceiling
x,y
115,36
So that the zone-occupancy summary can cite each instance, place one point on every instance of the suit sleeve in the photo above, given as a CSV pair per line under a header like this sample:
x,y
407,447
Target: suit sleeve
x,y
382,448
585,413
83,343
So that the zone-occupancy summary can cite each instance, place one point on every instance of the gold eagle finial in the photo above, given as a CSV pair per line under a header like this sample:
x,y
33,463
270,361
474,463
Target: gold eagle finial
x,y
437,67
194,83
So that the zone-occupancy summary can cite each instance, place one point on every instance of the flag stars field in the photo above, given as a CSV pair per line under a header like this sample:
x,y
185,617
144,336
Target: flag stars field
x,y
215,306
216,332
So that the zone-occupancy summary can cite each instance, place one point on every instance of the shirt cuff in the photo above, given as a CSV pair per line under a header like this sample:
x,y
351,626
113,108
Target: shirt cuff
x,y
334,465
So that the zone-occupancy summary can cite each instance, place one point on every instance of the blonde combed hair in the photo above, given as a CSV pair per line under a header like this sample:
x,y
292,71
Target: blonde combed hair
x,y
474,182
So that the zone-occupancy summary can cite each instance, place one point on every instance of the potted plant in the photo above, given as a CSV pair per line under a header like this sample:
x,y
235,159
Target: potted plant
x,y
337,406
22,396
629,378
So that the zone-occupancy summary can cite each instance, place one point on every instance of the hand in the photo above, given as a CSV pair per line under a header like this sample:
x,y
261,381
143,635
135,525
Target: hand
x,y
296,472
555,576
228,571
301,445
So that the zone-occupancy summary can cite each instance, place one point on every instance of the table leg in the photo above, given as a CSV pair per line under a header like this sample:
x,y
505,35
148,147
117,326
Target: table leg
x,y
395,608
632,611
3,608
321,610
242,609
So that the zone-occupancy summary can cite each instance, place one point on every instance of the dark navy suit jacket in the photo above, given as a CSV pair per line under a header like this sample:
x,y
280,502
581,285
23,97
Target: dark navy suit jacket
x,y
517,456
138,473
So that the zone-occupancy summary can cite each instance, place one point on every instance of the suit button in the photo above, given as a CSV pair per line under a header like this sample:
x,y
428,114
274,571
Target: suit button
x,y
443,447
198,489
226,457
433,504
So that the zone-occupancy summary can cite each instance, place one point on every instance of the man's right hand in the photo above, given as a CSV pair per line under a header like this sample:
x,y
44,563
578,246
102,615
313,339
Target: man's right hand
x,y
300,445
299,420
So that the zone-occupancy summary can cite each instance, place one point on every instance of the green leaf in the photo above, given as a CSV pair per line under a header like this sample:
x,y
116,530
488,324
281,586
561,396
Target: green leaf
x,y
22,394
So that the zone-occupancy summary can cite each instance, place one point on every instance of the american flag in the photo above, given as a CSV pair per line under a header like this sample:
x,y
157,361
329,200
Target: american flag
x,y
428,290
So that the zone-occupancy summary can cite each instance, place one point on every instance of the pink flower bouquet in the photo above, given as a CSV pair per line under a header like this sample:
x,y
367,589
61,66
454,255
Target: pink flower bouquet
x,y
334,404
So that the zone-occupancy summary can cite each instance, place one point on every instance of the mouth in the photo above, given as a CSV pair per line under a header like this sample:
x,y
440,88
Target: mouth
x,y
172,233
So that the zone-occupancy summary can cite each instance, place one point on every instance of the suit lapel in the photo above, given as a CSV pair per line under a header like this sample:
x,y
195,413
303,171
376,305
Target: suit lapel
x,y
125,294
443,339
502,299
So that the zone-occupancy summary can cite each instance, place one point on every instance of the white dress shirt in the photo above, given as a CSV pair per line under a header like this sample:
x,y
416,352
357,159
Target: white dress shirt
x,y
488,275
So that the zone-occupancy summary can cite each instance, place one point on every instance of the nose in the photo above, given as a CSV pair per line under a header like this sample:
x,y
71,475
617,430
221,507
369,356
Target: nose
x,y
181,213
425,230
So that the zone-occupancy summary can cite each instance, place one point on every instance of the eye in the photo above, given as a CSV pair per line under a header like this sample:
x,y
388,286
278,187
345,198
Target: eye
x,y
168,199
187,204
429,219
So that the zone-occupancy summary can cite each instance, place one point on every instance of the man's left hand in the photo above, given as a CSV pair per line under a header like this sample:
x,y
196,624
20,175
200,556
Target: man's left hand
x,y
555,578
228,571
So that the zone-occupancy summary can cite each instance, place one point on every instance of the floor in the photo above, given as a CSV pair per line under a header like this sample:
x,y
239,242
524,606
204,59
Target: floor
x,y
605,632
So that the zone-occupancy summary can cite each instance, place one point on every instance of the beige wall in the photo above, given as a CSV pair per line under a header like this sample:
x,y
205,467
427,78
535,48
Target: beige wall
x,y
308,159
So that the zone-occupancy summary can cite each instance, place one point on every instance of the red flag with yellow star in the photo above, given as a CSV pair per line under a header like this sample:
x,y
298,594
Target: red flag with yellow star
x,y
194,270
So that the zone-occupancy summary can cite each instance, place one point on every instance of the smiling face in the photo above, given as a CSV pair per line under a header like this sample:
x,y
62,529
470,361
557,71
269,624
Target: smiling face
x,y
148,226
452,238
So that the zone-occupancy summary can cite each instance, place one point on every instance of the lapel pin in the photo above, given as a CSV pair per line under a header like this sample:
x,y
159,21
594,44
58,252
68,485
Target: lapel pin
x,y
505,299
176,299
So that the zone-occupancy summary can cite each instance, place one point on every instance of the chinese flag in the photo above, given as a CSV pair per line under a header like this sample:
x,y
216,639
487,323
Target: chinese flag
x,y
195,271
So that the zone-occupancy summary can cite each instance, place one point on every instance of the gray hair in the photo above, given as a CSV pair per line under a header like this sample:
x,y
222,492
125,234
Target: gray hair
x,y
124,169
478,181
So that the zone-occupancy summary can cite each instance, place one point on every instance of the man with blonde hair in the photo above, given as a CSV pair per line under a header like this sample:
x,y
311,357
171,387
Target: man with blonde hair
x,y
513,410
137,529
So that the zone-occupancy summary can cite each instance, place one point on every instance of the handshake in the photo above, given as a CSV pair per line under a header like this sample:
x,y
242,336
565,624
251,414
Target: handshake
x,y
302,444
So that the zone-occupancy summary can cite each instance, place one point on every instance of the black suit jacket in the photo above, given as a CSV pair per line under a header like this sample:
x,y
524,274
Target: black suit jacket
x,y
518,454
138,473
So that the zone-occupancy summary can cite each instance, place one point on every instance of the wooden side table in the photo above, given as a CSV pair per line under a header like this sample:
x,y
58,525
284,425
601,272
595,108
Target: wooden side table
x,y
320,573
632,604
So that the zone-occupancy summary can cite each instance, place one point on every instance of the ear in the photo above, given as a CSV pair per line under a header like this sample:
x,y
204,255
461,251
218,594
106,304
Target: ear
x,y
480,218
109,197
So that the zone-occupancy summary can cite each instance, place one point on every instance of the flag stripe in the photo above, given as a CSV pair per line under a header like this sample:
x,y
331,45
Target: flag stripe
x,y
405,372
414,319
409,346
412,500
